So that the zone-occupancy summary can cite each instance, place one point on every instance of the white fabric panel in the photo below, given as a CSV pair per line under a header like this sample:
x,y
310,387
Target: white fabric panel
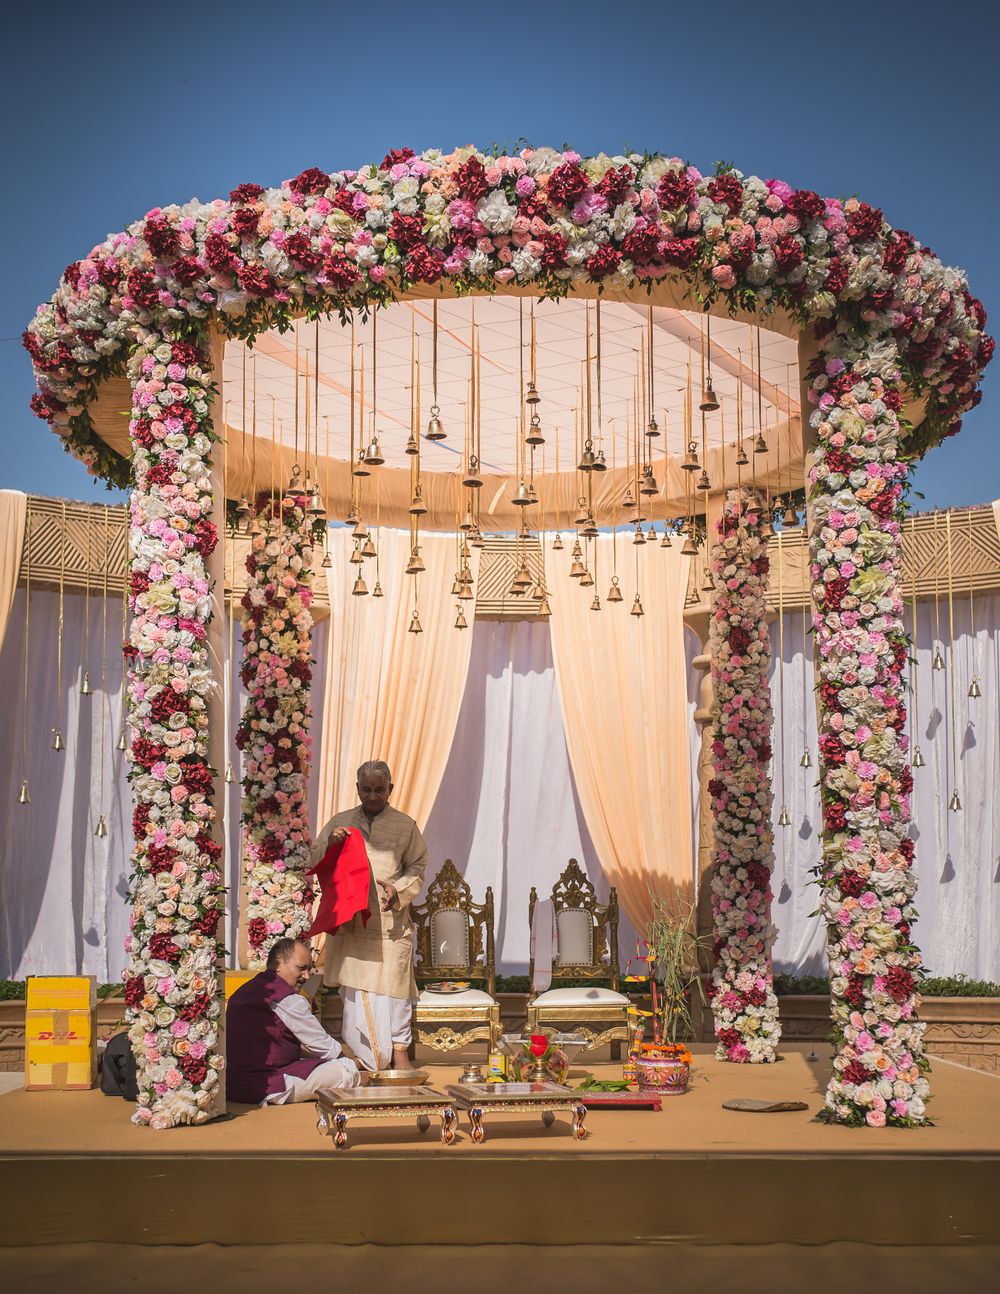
x,y
507,812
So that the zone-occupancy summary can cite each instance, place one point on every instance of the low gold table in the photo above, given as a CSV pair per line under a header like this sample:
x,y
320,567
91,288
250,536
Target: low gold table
x,y
337,1104
545,1098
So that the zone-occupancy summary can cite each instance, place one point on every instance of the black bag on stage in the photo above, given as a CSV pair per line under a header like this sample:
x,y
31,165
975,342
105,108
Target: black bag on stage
x,y
118,1069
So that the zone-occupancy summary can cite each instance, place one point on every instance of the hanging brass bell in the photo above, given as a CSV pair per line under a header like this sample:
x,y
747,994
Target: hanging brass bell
x,y
256,529
628,501
689,548
368,548
472,480
295,482
356,556
708,584
596,604
377,590
918,760
637,607
806,760
415,626
589,527
581,513
543,610
373,454
465,591
974,690
600,462
577,551
456,587
586,579
522,577
651,534
783,818
531,395
316,508
57,740
741,457
122,743
587,460
360,530
467,522
353,517
534,436
938,662
767,528
709,400
22,796
515,591
690,463
538,592
85,688
435,427
101,830
557,544
521,498
760,444
361,467
789,518
360,589
242,512
417,505
229,776
649,485
460,620
652,429
412,447
703,483
638,537
327,561
665,541
532,492
955,804
416,562
476,538
615,593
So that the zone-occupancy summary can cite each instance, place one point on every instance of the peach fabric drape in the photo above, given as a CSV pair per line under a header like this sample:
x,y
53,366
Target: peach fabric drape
x,y
13,512
623,684
391,694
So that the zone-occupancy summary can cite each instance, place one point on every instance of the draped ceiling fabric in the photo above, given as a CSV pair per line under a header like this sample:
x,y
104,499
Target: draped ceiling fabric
x,y
623,684
391,694
508,814
13,510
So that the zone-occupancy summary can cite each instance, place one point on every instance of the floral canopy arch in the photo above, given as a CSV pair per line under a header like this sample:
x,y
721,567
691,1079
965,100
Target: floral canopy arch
x,y
894,346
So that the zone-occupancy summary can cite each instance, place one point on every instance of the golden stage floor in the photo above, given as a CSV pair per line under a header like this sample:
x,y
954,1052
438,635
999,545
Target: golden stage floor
x,y
73,1169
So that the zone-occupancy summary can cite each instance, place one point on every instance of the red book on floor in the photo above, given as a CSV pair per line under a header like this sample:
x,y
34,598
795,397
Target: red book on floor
x,y
345,878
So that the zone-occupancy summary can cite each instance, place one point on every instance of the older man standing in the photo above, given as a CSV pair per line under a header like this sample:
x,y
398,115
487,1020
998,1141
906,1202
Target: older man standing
x,y
373,963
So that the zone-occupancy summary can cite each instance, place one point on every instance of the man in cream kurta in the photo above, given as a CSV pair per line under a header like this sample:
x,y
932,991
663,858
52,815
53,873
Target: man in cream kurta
x,y
373,964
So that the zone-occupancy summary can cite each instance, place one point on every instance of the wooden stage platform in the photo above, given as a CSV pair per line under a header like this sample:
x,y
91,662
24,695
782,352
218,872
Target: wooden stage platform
x,y
74,1170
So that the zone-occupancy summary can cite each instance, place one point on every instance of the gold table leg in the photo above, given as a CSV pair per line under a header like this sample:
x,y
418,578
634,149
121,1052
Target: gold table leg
x,y
477,1131
340,1129
579,1114
448,1125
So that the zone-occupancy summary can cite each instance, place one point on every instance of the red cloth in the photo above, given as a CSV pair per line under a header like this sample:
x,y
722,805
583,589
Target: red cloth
x,y
345,877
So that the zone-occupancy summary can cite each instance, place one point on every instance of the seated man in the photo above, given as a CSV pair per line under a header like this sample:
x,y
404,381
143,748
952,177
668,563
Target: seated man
x,y
277,1051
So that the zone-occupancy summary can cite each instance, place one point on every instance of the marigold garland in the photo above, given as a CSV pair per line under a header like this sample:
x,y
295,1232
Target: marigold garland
x,y
274,731
744,1004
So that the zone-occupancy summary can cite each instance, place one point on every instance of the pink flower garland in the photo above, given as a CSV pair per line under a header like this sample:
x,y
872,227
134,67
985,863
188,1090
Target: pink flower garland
x,y
274,730
866,876
744,1004
177,889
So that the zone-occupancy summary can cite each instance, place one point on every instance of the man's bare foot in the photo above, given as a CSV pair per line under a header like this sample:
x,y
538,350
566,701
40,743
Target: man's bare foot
x,y
401,1059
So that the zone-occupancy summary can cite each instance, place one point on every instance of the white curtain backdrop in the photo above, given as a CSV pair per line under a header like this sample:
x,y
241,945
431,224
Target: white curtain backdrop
x,y
957,856
507,813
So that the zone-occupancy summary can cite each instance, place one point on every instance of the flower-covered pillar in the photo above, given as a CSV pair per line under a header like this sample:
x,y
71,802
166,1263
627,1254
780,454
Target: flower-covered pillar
x,y
172,990
856,506
274,734
744,1004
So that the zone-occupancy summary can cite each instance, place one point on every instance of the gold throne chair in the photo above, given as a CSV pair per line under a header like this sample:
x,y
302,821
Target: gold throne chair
x,y
584,947
454,941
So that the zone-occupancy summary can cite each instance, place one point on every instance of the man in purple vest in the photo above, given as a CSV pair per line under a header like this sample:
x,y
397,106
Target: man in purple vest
x,y
276,1049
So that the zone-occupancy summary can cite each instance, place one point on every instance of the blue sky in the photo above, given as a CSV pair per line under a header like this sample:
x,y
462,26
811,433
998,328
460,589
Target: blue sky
x,y
111,109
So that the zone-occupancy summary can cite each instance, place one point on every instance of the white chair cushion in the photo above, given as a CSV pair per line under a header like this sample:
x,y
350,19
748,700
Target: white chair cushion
x,y
468,997
449,938
580,997
574,937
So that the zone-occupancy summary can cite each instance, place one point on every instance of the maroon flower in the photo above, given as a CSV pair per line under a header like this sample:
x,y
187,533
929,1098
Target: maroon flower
x,y
727,190
395,156
899,983
245,193
142,289
340,271
567,184
897,248
616,184
808,206
471,179
244,221
425,265
134,990
187,270
407,232
836,276
856,1074
206,536
851,883
255,280
161,237
835,815
642,245
682,252
788,253
194,1068
220,255
675,190
299,248
163,947
603,262
256,931
554,247
195,1009
311,180
865,224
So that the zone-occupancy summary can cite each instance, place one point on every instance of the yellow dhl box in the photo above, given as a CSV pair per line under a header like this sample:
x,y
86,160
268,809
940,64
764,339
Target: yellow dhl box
x,y
236,979
60,1050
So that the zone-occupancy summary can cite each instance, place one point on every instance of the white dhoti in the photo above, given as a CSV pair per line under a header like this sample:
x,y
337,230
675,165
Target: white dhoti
x,y
332,1073
373,1024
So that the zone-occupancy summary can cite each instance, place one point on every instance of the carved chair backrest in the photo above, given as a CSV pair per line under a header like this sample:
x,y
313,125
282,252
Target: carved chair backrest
x,y
454,934
586,936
